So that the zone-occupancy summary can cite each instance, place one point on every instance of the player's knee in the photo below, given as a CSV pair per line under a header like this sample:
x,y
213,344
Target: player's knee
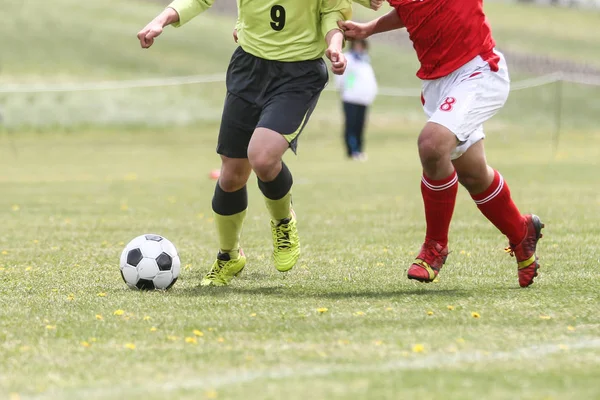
x,y
430,150
264,164
435,143
234,174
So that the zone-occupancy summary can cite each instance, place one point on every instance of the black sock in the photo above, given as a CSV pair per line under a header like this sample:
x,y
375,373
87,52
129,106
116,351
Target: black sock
x,y
229,203
279,187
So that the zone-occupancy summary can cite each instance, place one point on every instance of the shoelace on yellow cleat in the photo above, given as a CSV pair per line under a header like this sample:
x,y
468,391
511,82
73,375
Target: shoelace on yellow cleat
x,y
282,236
215,270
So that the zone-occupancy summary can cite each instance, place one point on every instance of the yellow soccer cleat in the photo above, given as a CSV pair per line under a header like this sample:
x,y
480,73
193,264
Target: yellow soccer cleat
x,y
224,269
286,244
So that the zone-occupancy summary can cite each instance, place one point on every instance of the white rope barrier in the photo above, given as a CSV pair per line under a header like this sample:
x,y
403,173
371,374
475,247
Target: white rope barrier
x,y
543,80
111,85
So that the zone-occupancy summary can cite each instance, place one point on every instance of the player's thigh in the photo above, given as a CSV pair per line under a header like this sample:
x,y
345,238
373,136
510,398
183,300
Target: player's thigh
x,y
294,96
469,103
266,148
288,114
238,122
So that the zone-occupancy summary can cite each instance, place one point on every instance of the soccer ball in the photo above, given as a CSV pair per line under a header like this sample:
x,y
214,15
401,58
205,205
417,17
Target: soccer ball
x,y
150,262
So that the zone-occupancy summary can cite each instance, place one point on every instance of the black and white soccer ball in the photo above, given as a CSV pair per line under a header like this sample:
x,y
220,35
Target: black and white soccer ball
x,y
150,262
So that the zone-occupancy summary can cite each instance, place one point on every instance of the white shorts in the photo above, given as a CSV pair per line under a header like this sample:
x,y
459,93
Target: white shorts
x,y
465,99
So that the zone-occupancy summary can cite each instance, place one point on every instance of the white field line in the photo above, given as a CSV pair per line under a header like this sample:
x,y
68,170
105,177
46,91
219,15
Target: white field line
x,y
416,362
199,79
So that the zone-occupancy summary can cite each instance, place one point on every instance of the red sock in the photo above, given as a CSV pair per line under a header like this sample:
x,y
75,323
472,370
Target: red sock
x,y
497,206
439,198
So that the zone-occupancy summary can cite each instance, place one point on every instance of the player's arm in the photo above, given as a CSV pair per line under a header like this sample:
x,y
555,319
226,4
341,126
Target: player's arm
x,y
332,13
335,43
177,13
388,22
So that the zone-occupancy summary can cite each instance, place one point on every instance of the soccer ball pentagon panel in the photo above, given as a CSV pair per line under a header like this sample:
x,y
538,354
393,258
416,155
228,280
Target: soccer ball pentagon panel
x,y
150,262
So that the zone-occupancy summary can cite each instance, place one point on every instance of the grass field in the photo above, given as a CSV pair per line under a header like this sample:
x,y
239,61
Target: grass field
x,y
83,173
72,201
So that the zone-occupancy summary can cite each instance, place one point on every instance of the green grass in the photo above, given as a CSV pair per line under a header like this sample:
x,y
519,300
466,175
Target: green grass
x,y
74,194
71,201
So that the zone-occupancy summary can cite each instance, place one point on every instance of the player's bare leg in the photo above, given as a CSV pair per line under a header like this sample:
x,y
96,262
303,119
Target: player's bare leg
x,y
275,181
492,196
229,204
439,186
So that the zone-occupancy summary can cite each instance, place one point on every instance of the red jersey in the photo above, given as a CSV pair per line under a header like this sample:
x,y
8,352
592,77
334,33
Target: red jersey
x,y
446,34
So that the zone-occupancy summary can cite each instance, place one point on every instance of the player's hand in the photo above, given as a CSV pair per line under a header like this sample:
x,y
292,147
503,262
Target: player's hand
x,y
235,37
147,35
355,30
338,60
376,4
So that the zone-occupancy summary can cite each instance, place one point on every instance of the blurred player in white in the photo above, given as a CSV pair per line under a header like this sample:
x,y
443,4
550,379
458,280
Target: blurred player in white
x,y
358,89
465,83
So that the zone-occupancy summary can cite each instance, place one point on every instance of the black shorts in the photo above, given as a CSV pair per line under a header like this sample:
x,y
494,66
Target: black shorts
x,y
268,94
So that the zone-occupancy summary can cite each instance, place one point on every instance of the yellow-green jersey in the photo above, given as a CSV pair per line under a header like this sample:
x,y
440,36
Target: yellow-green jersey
x,y
282,30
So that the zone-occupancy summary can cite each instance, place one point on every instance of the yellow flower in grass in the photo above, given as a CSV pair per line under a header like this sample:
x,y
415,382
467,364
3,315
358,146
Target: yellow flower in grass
x,y
322,310
51,327
359,313
124,207
99,317
35,241
460,340
93,339
4,252
451,308
172,338
119,312
430,313
545,317
221,340
343,342
253,314
389,309
191,340
15,207
28,268
475,314
85,344
71,297
570,328
378,343
101,294
563,347
211,394
147,318
153,329
418,348
130,346
198,333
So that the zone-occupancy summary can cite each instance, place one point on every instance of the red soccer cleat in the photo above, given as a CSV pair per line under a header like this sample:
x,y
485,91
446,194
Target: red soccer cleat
x,y
524,252
429,262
